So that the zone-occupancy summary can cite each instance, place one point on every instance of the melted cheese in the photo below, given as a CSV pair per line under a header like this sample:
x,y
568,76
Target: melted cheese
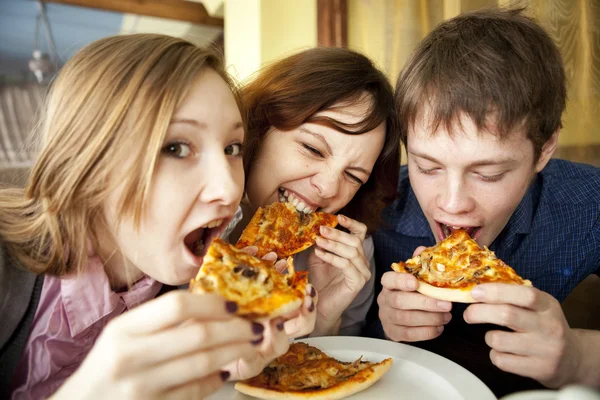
x,y
279,227
459,262
305,368
254,284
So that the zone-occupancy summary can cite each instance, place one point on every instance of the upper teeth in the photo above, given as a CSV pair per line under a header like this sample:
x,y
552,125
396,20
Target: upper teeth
x,y
213,224
298,203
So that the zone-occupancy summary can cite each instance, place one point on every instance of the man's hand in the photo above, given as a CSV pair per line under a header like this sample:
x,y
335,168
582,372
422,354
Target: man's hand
x,y
542,346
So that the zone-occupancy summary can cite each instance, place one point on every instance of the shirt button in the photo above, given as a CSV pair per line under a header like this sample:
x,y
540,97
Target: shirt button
x,y
567,271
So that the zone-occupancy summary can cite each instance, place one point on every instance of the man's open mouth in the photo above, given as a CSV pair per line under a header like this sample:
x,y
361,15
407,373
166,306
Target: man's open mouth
x,y
447,230
286,196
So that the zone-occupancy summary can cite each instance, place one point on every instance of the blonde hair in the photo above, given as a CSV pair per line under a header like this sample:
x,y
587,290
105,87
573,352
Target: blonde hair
x,y
110,105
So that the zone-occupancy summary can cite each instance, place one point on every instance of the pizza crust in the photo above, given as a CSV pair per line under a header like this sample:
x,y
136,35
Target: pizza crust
x,y
446,294
359,382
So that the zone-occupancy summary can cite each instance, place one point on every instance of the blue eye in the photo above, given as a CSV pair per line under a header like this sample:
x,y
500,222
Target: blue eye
x,y
177,150
234,149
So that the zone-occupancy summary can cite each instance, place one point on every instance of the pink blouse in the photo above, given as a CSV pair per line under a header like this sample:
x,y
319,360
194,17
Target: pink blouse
x,y
70,316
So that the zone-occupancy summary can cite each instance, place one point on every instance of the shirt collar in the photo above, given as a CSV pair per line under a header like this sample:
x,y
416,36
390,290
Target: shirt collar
x,y
87,297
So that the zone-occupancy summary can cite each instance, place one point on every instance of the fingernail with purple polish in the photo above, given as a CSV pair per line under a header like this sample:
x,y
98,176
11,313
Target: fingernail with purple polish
x,y
231,307
257,328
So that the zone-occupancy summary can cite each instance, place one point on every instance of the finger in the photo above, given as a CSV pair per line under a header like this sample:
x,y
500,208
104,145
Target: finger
x,y
412,301
281,265
195,366
532,367
356,228
418,250
354,279
515,318
412,334
416,318
250,250
197,389
304,323
399,281
270,256
190,338
174,308
355,255
518,295
354,243
524,344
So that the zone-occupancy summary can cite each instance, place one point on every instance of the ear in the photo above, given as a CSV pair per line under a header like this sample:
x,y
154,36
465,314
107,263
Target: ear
x,y
547,151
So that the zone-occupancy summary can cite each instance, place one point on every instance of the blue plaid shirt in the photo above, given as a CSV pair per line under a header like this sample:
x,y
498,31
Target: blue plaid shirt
x,y
552,238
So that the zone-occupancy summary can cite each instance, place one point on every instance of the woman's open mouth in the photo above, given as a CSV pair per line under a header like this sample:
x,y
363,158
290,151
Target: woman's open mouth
x,y
198,240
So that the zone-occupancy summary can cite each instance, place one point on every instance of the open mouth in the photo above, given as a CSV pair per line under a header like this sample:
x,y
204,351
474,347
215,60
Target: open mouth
x,y
447,230
288,197
198,240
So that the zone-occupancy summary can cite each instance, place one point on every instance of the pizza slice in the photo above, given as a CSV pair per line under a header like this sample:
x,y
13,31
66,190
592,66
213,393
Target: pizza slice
x,y
451,268
281,228
260,291
305,372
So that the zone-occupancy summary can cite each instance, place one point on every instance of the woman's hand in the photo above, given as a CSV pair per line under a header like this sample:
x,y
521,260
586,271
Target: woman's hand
x,y
175,346
338,270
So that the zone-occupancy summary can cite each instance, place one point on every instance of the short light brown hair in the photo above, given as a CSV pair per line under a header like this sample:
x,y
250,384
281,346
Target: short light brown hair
x,y
497,66
291,91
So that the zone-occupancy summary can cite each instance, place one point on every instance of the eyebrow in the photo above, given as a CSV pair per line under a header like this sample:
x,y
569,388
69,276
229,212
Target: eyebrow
x,y
321,138
478,163
201,125
318,136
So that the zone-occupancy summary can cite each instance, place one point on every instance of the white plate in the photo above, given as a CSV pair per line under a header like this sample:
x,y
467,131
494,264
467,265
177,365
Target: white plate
x,y
415,374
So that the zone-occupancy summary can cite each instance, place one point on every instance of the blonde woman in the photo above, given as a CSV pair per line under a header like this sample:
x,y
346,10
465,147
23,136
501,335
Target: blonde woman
x,y
140,161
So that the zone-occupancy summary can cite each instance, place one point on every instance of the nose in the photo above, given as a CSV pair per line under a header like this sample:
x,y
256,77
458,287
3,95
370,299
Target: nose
x,y
453,197
327,183
223,181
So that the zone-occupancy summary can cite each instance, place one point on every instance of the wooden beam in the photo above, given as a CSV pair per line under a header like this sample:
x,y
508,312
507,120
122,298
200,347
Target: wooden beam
x,y
180,10
332,23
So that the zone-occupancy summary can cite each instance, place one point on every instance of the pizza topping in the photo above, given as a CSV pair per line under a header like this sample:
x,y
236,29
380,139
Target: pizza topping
x,y
458,262
305,368
281,228
254,284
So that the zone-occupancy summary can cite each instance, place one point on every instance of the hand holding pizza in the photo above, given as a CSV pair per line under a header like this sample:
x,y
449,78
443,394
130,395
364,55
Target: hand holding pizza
x,y
338,270
302,322
542,346
175,346
274,344
408,316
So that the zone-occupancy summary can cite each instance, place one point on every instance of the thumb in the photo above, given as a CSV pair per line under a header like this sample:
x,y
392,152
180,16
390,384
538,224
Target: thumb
x,y
418,250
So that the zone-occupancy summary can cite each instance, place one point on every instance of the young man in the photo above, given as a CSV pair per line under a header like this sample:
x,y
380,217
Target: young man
x,y
480,104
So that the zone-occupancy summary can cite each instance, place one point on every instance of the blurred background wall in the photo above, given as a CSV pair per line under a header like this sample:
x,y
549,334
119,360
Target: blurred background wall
x,y
252,33
388,31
